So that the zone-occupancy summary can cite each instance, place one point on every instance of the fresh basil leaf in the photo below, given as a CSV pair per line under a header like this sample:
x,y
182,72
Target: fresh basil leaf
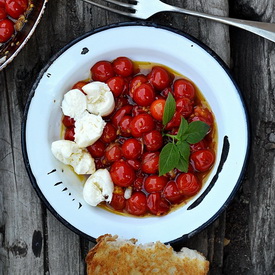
x,y
196,131
184,149
168,158
183,165
182,129
169,109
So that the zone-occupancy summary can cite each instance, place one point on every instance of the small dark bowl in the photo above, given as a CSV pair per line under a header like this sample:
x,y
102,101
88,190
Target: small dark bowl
x,y
10,49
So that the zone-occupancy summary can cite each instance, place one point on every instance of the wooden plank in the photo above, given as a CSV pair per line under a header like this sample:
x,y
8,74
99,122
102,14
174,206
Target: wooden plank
x,y
255,72
20,216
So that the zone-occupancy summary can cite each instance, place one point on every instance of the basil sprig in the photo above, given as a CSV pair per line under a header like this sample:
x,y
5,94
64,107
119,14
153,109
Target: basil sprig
x,y
176,153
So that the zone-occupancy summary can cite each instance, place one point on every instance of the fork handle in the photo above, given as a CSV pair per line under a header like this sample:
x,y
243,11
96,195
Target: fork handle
x,y
266,30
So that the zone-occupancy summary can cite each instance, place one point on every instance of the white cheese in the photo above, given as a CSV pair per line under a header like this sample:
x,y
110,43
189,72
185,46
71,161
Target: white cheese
x,y
128,193
100,99
98,187
68,152
74,103
88,129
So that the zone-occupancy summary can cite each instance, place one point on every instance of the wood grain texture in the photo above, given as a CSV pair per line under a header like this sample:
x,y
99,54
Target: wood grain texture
x,y
33,241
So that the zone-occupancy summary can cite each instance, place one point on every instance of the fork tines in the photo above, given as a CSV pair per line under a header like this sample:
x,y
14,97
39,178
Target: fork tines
x,y
128,7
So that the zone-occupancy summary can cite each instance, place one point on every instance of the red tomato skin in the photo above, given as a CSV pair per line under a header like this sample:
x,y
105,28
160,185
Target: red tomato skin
x,y
122,173
123,66
6,30
141,124
184,106
2,3
153,140
150,162
125,110
202,160
188,184
124,126
183,88
137,204
113,152
68,121
171,193
155,183
109,133
69,134
15,8
157,109
159,78
157,205
79,85
117,85
135,83
97,149
3,13
131,148
118,201
102,71
144,95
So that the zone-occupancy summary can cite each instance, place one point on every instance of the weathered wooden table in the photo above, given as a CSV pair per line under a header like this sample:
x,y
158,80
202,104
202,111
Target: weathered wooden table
x,y
241,241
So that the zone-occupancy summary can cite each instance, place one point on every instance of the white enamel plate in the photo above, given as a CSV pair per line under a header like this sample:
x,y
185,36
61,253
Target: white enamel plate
x,y
61,190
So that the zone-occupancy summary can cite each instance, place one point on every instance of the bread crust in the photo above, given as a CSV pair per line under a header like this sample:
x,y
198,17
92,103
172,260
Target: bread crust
x,y
113,256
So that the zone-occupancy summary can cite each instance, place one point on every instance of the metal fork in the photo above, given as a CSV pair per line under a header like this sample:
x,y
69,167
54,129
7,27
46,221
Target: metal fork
x,y
143,9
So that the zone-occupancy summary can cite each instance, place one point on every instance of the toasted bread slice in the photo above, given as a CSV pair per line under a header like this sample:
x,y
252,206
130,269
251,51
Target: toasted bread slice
x,y
116,256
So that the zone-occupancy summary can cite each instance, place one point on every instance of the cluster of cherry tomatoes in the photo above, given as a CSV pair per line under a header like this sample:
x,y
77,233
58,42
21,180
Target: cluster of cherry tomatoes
x,y
133,136
10,11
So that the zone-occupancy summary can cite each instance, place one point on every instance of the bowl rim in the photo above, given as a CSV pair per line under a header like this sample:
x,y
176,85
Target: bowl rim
x,y
127,24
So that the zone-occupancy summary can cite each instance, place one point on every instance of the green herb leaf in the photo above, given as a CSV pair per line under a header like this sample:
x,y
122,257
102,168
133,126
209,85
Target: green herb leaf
x,y
182,129
183,165
196,131
169,109
168,159
184,149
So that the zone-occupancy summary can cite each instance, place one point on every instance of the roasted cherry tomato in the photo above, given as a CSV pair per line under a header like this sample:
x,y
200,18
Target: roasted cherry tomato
x,y
159,78
144,95
6,30
202,114
202,160
172,193
150,162
136,82
188,184
79,85
97,149
184,88
117,85
131,149
157,109
122,173
184,106
157,205
141,124
15,8
153,140
118,201
137,204
113,152
120,113
102,71
109,133
2,3
123,66
155,183
3,13
69,134
124,126
68,121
